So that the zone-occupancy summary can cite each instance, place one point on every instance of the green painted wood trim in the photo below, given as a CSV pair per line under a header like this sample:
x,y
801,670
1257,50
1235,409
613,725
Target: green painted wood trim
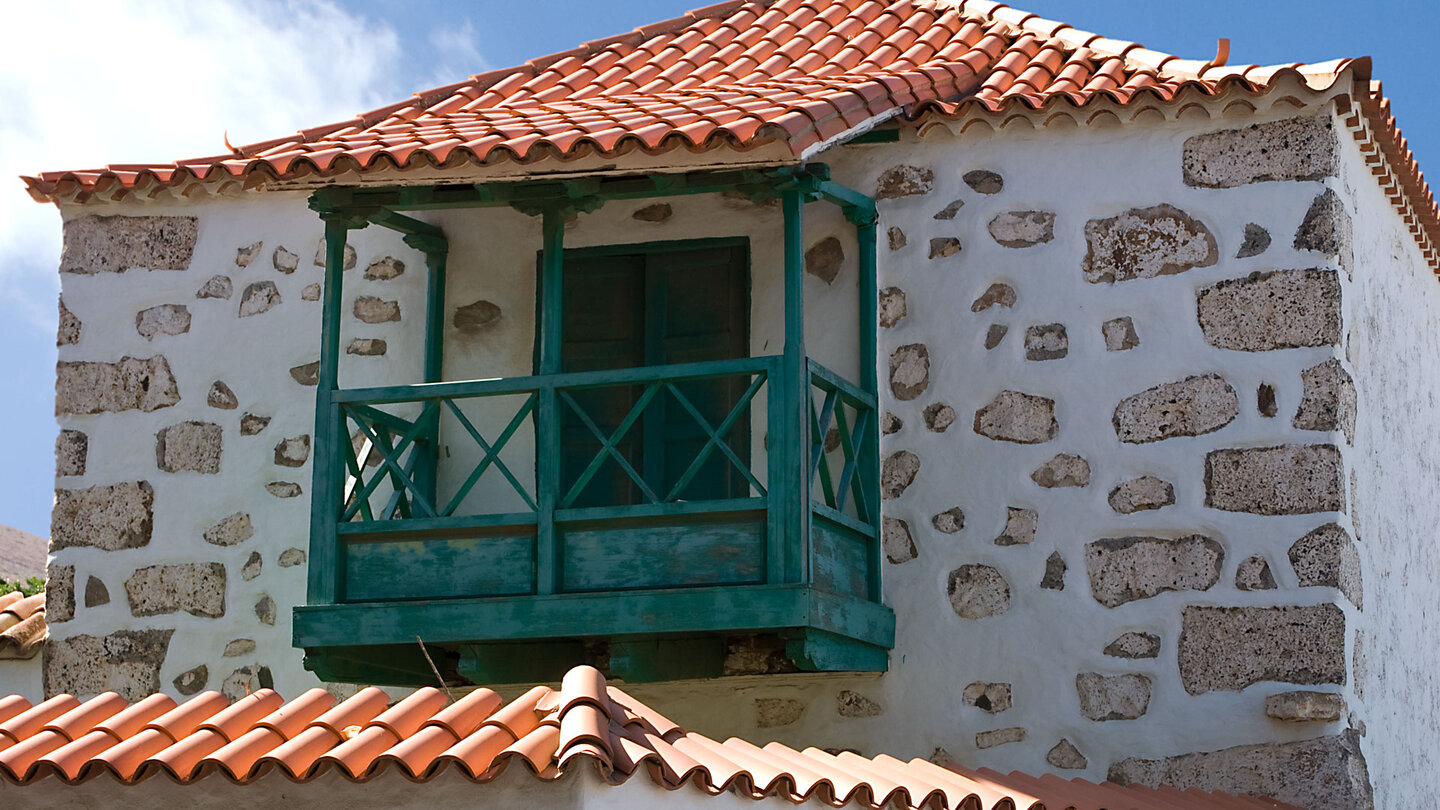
x,y
658,659
869,306
746,608
653,510
421,528
328,474
435,262
827,380
819,651
794,484
827,513
547,459
494,664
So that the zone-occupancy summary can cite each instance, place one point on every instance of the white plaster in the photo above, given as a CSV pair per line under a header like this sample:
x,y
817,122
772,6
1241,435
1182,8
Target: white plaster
x,y
22,677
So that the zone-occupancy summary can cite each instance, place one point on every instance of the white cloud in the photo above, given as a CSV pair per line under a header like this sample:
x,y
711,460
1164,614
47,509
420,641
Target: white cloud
x,y
85,83
455,54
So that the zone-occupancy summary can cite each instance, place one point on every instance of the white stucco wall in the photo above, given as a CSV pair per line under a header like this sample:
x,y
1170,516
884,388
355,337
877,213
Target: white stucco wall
x,y
22,678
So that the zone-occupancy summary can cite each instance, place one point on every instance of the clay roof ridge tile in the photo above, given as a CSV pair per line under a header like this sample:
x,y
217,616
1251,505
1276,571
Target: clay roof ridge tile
x,y
32,720
10,598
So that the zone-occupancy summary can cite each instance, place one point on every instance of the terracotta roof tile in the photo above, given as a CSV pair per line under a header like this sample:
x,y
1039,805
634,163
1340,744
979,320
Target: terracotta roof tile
x,y
22,625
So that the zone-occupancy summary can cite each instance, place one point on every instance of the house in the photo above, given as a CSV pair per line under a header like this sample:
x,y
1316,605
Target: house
x,y
920,378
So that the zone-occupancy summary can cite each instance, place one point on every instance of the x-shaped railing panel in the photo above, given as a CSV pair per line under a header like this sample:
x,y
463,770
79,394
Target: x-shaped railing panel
x,y
835,408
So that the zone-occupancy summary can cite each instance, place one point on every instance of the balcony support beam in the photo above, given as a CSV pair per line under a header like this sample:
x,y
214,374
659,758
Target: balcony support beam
x,y
792,531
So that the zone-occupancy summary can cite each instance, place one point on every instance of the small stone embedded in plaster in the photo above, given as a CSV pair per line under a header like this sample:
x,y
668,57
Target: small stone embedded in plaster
x,y
890,424
1112,697
949,211
247,254
369,309
756,654
126,661
997,294
59,593
291,557
265,610
999,736
1135,646
943,247
230,530
899,545
896,238
1230,648
824,259
239,647
853,704
220,396
71,449
909,371
216,287
898,473
251,424
1326,557
950,521
475,317
1304,706
1020,527
938,416
306,374
114,244
311,292
984,181
262,296
1023,229
776,712
284,489
988,697
293,452
942,758
739,200
655,212
68,332
892,306
195,588
1054,576
1190,407
1141,494
904,181
995,335
189,447
1125,569
1120,334
1144,243
252,567
1066,756
191,681
1285,480
1018,417
978,591
110,517
1265,400
1046,342
1253,574
130,384
1257,241
1292,149
1328,402
96,594
366,347
1284,309
347,264
243,681
1327,229
284,261
385,268
1064,470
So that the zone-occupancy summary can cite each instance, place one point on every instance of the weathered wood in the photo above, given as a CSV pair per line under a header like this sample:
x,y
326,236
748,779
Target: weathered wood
x,y
665,659
841,563
818,651
519,662
429,569
629,555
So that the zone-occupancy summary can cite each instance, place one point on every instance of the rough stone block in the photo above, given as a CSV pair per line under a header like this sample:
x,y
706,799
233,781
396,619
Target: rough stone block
x,y
1144,243
1001,295
284,489
245,255
1134,646
1141,494
978,591
1265,400
306,373
995,334
239,647
252,567
1327,773
166,319
1231,648
68,331
949,211
265,610
291,557
196,588
898,473
231,530
892,306
1120,334
284,261
71,448
1286,480
1112,697
1017,417
944,247
1066,757
293,452
262,296
366,347
758,654
59,593
246,681
891,424
386,268
1257,241
127,662
96,244
1292,149
896,238
189,447
904,181
899,545
999,736
989,697
1046,342
776,712
105,517
1124,569
1253,574
1327,229
369,309
216,287
1062,471
1328,402
950,521
1189,407
1054,576
1022,229
854,704
1284,309
824,259
1305,707
984,181
1327,558
250,424
655,212
96,594
1020,526
938,416
220,396
191,681
130,384
311,292
909,371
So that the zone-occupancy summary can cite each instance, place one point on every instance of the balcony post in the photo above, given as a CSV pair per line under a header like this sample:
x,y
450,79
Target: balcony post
x,y
793,488
547,456
868,459
326,480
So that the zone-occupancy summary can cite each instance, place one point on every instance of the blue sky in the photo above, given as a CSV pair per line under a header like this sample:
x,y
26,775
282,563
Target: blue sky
x,y
260,68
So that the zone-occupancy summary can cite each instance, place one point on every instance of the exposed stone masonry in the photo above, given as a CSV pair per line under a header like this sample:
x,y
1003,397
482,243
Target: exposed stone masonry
x,y
1144,243
114,244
